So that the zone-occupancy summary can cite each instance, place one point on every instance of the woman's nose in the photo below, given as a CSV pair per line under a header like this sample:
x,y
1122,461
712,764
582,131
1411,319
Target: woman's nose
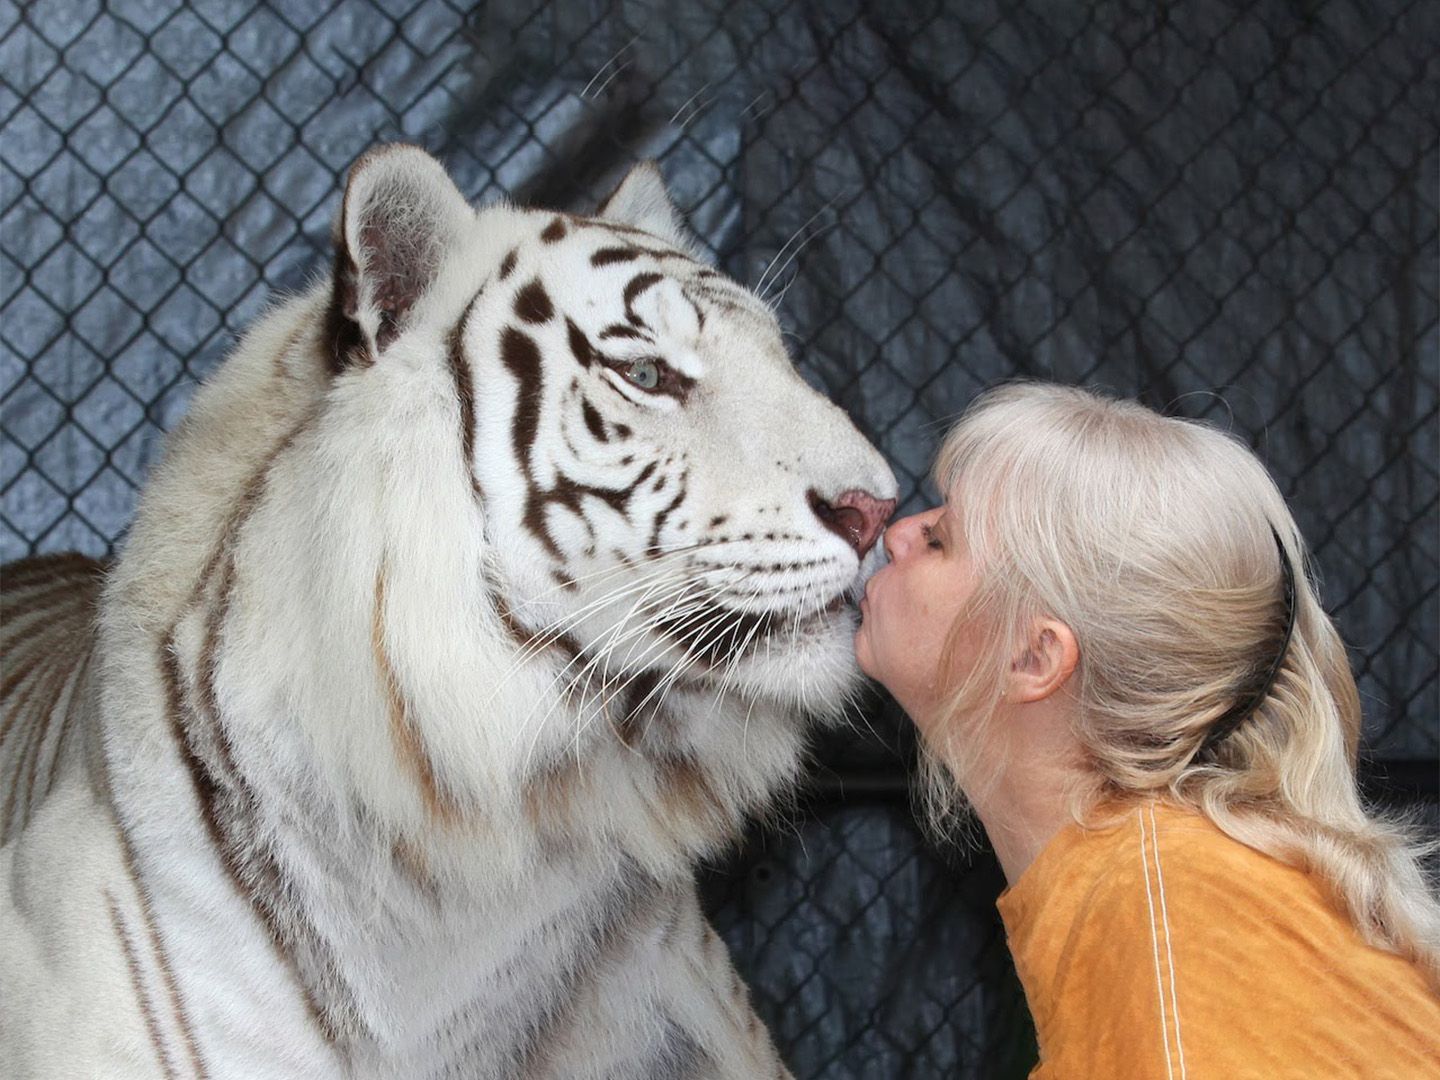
x,y
900,536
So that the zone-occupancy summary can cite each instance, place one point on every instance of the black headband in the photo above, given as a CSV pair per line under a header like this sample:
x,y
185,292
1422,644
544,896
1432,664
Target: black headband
x,y
1248,704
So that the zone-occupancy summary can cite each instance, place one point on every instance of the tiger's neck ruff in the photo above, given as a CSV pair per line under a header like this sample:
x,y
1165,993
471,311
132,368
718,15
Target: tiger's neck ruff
x,y
485,588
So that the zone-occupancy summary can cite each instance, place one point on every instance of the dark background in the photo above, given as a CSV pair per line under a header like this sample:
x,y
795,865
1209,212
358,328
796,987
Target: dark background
x,y
1227,209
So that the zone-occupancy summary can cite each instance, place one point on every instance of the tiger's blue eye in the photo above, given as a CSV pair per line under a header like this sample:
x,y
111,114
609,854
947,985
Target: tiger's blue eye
x,y
643,373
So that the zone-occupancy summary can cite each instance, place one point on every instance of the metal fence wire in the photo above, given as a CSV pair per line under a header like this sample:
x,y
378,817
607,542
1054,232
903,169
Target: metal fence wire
x,y
1227,209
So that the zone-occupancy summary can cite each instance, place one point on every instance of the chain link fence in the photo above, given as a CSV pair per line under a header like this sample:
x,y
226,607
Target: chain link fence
x,y
1226,209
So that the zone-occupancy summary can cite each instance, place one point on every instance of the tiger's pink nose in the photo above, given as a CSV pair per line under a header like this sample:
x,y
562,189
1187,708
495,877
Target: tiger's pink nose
x,y
855,516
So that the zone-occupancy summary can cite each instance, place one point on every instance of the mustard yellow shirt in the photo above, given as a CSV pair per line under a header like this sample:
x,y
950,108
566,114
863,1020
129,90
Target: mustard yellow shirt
x,y
1162,948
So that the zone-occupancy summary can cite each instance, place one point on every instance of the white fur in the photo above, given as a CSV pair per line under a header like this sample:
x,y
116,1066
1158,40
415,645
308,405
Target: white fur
x,y
331,494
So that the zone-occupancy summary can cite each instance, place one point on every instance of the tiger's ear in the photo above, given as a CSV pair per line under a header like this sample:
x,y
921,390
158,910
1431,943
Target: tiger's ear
x,y
642,200
400,215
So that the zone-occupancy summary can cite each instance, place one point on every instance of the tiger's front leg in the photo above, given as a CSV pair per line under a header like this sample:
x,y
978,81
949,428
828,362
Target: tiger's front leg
x,y
672,1007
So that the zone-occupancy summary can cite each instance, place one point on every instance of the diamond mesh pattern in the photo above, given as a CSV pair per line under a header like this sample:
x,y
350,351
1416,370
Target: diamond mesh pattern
x,y
1229,210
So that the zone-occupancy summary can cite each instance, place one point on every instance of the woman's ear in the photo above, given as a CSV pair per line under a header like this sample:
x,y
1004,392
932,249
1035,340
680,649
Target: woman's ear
x,y
1046,664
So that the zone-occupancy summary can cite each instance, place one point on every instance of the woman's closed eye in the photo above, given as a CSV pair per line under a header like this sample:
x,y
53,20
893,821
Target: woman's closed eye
x,y
932,541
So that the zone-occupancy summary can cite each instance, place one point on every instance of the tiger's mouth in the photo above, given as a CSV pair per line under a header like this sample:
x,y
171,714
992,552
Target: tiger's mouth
x,y
720,634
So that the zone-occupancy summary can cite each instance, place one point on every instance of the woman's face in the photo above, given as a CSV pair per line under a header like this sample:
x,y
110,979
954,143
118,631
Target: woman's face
x,y
909,607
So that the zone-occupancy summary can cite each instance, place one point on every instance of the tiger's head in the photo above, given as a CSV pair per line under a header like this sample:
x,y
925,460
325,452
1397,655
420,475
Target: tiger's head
x,y
664,501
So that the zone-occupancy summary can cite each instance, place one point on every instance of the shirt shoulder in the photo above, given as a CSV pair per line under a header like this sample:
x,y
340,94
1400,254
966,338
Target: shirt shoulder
x,y
1158,940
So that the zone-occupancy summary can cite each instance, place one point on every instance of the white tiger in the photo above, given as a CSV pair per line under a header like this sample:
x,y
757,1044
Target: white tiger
x,y
484,589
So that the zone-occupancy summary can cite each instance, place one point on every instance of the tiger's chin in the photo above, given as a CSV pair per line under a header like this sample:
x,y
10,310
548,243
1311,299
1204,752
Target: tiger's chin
x,y
807,663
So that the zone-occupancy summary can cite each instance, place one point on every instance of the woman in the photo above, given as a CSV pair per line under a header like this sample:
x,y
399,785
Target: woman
x,y
1109,646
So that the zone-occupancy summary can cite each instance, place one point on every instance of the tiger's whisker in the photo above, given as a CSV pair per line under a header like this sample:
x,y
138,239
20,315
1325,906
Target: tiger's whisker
x,y
732,617
687,102
796,253
675,598
551,632
686,614
699,615
602,652
611,78
591,660
651,555
759,288
614,56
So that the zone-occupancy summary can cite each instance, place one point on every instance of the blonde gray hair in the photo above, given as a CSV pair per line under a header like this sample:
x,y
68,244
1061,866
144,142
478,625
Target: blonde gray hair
x,y
1151,538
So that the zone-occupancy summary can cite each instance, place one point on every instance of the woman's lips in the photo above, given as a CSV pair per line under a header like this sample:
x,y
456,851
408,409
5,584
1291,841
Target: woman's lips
x,y
866,594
